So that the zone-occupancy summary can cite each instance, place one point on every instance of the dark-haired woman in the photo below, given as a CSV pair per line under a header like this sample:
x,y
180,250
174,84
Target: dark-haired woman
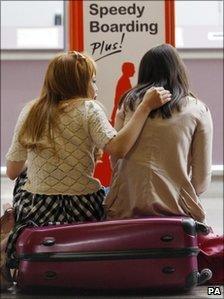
x,y
169,166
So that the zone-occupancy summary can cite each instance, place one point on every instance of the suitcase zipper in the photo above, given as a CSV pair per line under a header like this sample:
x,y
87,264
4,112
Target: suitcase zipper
x,y
110,255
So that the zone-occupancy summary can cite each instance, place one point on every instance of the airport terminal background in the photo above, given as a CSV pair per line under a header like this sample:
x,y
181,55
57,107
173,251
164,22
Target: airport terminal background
x,y
27,48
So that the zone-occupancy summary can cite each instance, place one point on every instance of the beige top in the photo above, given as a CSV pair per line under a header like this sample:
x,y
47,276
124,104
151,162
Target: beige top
x,y
167,168
83,126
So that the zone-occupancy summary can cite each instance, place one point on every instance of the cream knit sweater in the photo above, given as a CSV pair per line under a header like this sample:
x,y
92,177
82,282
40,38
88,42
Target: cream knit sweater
x,y
82,127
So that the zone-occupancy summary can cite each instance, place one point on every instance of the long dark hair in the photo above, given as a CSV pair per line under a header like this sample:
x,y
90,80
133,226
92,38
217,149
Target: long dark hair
x,y
160,66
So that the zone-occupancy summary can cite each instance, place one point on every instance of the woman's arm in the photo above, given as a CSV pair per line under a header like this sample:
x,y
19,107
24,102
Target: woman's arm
x,y
202,153
17,153
14,168
126,137
119,119
118,125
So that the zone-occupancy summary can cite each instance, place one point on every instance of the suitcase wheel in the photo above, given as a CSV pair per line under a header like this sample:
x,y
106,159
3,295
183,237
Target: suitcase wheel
x,y
204,276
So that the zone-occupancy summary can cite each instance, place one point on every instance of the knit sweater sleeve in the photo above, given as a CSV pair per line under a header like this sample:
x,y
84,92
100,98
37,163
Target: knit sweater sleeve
x,y
100,129
17,152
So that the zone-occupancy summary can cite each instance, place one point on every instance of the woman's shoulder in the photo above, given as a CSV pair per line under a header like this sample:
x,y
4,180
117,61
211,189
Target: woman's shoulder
x,y
73,106
29,104
94,104
77,103
197,103
26,108
94,107
87,108
196,107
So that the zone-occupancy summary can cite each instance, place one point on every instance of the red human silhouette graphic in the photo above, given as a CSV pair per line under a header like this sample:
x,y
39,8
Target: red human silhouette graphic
x,y
103,169
123,84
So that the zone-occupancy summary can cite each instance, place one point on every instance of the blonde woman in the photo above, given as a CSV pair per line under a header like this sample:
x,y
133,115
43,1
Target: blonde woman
x,y
55,139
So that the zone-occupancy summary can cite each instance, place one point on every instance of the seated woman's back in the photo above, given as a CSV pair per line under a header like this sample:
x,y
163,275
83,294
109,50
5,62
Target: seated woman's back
x,y
167,168
157,176
66,166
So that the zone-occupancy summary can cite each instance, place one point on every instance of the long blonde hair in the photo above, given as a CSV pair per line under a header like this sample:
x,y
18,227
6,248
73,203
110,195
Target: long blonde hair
x,y
68,76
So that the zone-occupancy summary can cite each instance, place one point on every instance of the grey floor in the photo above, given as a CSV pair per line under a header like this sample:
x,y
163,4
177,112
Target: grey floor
x,y
212,202
198,292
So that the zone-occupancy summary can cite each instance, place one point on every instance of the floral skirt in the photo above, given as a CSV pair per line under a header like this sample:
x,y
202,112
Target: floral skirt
x,y
41,210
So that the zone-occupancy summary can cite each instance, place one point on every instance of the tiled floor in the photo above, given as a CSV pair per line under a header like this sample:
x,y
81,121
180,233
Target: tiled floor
x,y
212,202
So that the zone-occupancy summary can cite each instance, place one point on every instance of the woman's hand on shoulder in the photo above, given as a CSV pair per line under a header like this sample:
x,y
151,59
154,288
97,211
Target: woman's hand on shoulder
x,y
155,97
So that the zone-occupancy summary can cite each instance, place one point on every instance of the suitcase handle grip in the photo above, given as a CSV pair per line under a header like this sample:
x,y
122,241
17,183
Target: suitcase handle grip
x,y
167,238
168,270
48,242
49,275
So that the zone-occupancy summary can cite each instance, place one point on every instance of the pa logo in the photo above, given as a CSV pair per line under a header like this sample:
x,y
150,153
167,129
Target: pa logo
x,y
214,291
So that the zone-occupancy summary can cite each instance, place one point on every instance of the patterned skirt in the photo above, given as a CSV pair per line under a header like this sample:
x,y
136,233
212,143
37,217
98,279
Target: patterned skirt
x,y
42,210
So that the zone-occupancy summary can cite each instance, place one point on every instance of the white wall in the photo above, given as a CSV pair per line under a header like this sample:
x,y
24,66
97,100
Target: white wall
x,y
31,25
199,24
29,13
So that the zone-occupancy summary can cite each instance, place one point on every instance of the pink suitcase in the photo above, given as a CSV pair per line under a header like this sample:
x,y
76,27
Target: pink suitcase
x,y
149,253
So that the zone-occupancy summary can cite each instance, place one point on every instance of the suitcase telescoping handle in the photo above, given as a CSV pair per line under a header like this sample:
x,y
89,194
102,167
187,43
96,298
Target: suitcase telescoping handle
x,y
202,228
